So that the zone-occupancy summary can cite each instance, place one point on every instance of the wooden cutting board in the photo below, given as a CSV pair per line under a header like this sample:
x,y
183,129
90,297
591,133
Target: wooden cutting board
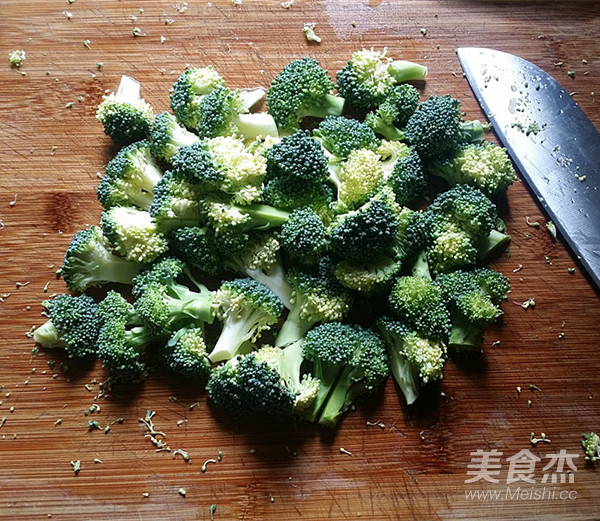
x,y
386,460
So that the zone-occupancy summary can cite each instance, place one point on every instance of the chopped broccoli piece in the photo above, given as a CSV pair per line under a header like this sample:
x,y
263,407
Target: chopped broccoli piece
x,y
130,178
125,115
185,354
189,89
407,178
72,324
16,57
245,308
373,277
393,113
419,303
591,446
90,261
168,137
195,245
414,360
340,136
133,233
485,166
369,75
302,89
349,361
304,236
473,298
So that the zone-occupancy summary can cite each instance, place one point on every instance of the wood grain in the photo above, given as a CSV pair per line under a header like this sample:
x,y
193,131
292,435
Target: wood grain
x,y
413,468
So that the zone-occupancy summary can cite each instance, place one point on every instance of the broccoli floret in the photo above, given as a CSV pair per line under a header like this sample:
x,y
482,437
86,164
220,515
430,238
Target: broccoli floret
x,y
591,446
189,89
407,178
195,245
460,222
473,298
374,277
414,360
122,339
232,223
435,127
90,261
485,166
393,114
176,203
125,114
340,136
419,303
362,235
166,305
245,308
133,233
287,193
185,354
223,112
16,57
349,361
369,75
130,178
261,260
268,381
168,137
317,296
304,236
72,324
302,89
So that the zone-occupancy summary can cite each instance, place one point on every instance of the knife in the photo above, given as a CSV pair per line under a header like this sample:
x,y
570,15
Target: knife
x,y
553,144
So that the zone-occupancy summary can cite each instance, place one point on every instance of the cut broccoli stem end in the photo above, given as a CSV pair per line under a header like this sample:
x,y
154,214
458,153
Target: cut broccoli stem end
x,y
128,90
47,336
466,336
472,131
404,375
492,245
402,70
253,126
329,105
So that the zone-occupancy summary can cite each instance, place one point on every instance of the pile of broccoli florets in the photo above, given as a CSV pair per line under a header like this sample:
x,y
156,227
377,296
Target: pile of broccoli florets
x,y
288,260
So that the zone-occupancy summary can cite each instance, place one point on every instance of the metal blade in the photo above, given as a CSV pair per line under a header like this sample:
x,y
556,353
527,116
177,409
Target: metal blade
x,y
551,141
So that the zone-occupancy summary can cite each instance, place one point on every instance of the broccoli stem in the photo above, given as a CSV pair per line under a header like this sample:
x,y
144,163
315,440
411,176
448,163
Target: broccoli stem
x,y
389,132
472,131
327,374
466,335
250,97
236,332
405,375
420,266
275,279
47,336
338,400
402,70
295,327
330,105
253,126
494,243
128,90
195,305
264,217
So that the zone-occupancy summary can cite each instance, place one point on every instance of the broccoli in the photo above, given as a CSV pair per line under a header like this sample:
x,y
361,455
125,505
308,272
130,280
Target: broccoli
x,y
407,178
419,303
168,137
304,236
473,298
348,361
232,223
166,305
317,296
176,203
189,89
268,381
393,113
90,261
72,324
133,233
130,178
223,112
340,136
185,354
485,166
374,277
461,223
434,129
591,446
16,57
126,116
369,75
195,245
245,308
363,234
302,89
122,339
261,260
414,359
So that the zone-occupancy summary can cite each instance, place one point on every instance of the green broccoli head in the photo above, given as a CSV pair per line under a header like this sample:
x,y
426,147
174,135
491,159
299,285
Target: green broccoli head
x,y
168,136
302,89
245,308
185,354
189,89
72,324
591,446
90,261
393,113
196,246
304,236
361,176
371,278
419,303
407,178
340,136
125,115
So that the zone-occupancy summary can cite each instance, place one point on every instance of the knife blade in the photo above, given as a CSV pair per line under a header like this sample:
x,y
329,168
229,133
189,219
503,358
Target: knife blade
x,y
553,144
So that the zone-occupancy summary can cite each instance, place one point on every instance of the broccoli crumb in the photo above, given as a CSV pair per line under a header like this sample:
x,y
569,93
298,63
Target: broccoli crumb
x,y
16,57
309,32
